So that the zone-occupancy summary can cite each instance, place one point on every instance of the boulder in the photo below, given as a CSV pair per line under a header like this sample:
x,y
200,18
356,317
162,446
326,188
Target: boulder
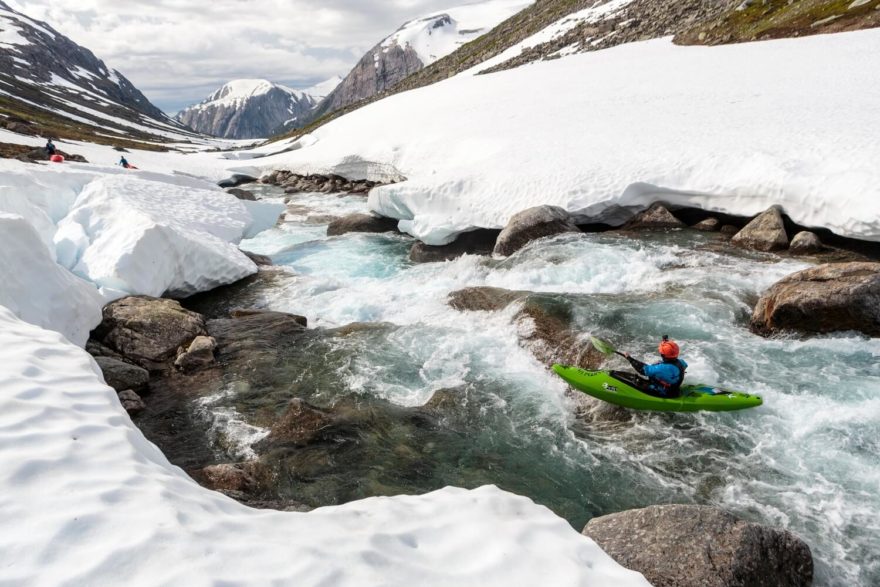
x,y
21,128
654,218
532,224
242,194
200,354
702,546
765,233
708,225
476,242
299,424
132,402
148,331
121,376
828,298
729,230
805,243
361,223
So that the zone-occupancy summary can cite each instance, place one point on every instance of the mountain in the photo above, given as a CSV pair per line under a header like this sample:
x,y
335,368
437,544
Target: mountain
x,y
414,46
55,87
252,108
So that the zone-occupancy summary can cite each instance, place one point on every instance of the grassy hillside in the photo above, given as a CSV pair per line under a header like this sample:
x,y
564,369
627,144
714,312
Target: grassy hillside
x,y
756,20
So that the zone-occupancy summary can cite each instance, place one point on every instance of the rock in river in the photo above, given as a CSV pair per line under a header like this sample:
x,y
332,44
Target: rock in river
x,y
148,331
764,233
828,298
702,546
532,224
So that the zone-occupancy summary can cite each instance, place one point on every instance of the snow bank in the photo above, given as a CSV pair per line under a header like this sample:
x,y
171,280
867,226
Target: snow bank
x,y
38,290
730,128
87,500
131,236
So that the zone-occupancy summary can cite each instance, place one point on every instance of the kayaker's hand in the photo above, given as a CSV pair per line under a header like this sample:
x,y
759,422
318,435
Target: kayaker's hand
x,y
626,355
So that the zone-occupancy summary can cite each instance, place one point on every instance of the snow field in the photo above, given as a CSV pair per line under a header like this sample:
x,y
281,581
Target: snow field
x,y
730,129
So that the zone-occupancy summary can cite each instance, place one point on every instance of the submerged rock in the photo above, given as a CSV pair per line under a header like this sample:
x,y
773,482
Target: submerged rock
x,y
765,233
828,298
655,217
476,242
132,402
226,477
729,230
121,375
148,331
708,225
361,223
299,424
242,194
485,299
805,243
690,545
532,224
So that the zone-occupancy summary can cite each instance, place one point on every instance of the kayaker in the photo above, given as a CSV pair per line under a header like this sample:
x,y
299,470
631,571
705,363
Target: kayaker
x,y
124,162
664,378
50,148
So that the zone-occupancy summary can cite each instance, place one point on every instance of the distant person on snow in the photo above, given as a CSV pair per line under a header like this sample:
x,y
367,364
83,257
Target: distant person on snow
x,y
664,378
50,148
124,162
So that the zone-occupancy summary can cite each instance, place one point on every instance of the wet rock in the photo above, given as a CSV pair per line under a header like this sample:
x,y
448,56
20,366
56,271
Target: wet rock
x,y
445,400
545,328
690,545
236,180
729,230
96,349
765,233
200,354
148,331
484,299
121,376
282,316
132,402
259,260
828,298
242,194
805,243
654,218
361,223
226,477
708,225
476,242
532,224
294,183
299,424
255,338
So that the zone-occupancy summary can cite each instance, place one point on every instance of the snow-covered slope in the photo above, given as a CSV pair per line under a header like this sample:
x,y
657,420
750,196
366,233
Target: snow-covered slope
x,y
247,109
87,500
416,44
43,72
729,128
323,89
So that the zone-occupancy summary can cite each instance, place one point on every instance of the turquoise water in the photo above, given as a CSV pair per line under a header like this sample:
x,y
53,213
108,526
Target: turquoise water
x,y
806,460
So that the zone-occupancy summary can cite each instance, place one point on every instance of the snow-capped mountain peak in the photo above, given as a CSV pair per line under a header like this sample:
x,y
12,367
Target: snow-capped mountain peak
x,y
253,108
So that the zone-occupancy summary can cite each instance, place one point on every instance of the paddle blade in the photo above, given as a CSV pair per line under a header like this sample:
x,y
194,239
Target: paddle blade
x,y
603,346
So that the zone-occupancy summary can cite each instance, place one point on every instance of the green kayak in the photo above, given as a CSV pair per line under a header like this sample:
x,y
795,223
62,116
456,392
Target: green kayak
x,y
621,388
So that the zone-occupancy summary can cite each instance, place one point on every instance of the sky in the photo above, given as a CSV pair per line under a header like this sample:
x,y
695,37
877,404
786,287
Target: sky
x,y
179,51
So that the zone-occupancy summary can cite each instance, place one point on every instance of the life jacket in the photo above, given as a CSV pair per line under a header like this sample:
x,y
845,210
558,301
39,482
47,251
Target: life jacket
x,y
671,389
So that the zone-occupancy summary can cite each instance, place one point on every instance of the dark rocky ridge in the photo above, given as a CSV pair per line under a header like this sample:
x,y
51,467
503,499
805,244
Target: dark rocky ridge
x,y
26,72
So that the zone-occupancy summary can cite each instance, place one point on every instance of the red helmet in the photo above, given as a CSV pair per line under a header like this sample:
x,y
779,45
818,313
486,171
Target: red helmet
x,y
668,349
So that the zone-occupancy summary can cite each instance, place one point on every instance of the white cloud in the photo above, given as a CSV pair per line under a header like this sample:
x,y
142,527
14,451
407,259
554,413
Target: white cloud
x,y
177,51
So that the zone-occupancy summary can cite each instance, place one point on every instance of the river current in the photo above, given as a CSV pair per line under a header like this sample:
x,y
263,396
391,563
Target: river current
x,y
807,460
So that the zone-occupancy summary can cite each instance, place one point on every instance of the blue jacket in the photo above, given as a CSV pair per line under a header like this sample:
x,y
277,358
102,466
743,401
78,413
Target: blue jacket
x,y
668,373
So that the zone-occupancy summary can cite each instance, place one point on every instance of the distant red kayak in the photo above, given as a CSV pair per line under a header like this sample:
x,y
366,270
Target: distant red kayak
x,y
56,159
